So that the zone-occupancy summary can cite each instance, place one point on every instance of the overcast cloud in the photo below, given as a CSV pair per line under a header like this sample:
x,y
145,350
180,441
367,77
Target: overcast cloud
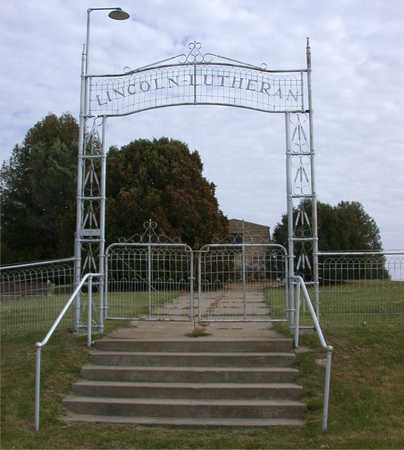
x,y
358,90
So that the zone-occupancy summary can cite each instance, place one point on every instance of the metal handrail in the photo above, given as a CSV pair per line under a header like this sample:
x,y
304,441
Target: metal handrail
x,y
40,345
328,348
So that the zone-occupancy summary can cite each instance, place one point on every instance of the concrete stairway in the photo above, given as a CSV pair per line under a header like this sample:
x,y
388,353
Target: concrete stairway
x,y
199,381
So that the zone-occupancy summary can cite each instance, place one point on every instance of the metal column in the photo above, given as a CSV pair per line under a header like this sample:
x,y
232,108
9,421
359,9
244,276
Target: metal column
x,y
301,189
91,195
289,204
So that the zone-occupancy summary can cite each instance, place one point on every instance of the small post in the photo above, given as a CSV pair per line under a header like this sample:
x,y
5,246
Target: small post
x,y
287,306
199,283
105,306
149,273
37,384
327,383
297,315
243,274
192,286
90,311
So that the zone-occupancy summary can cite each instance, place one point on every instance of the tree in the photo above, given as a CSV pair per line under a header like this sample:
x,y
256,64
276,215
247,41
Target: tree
x,y
38,192
346,226
162,180
159,179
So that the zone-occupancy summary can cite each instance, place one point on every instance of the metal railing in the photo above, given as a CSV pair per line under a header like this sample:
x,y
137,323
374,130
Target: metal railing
x,y
359,288
40,345
300,286
31,294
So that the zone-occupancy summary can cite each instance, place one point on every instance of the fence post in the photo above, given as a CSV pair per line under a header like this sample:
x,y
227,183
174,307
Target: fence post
x,y
149,279
192,285
199,283
90,311
244,280
297,315
37,384
105,305
102,303
327,383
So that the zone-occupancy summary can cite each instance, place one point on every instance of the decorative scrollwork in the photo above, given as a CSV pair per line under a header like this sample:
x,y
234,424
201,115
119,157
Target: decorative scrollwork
x,y
194,54
150,234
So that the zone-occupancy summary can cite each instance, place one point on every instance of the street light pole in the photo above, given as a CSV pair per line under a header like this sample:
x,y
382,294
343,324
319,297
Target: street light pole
x,y
116,13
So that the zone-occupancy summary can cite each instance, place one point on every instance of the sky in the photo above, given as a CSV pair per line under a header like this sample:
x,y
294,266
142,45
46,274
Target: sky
x,y
358,90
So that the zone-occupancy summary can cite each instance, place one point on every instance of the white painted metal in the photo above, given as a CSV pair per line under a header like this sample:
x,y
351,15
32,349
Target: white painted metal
x,y
40,345
149,281
242,282
194,77
328,348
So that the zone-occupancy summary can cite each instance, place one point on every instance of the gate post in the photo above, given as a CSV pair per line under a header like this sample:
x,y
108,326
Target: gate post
x,y
301,187
314,219
244,280
101,251
191,293
77,241
289,202
149,276
89,243
199,283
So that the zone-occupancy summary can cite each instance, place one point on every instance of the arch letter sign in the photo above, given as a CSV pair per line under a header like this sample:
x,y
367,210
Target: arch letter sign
x,y
197,79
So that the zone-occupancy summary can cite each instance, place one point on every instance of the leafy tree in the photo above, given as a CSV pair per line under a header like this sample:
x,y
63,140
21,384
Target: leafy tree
x,y
162,180
38,192
159,179
344,227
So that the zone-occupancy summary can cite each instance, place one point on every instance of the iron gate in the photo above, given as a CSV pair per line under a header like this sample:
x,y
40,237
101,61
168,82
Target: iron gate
x,y
234,282
152,281
242,282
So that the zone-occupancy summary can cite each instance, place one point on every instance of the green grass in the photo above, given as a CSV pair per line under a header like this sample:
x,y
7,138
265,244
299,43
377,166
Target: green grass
x,y
136,304
366,409
360,303
29,313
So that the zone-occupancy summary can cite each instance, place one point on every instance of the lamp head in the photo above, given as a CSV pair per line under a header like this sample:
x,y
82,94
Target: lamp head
x,y
118,14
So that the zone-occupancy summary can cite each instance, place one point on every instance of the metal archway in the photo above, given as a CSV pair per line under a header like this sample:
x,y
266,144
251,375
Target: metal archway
x,y
196,78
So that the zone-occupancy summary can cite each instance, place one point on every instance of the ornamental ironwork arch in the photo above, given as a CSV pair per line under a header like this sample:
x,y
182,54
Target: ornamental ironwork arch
x,y
197,78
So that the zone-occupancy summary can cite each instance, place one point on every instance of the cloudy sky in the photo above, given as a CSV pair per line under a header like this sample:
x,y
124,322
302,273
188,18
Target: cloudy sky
x,y
358,90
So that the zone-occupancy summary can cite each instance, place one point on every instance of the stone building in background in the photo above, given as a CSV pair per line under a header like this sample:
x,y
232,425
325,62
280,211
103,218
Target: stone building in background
x,y
248,232
241,231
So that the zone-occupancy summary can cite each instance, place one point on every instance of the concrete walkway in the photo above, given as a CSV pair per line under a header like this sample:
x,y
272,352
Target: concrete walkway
x,y
161,330
232,302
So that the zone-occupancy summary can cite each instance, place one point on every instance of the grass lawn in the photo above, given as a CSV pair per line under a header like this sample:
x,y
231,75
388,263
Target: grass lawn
x,y
136,304
37,312
351,303
366,409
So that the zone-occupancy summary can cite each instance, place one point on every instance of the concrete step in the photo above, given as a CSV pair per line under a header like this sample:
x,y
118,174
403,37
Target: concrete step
x,y
184,422
197,391
203,359
185,408
178,374
195,345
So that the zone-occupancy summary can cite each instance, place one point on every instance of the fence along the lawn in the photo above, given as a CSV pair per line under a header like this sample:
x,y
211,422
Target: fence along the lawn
x,y
356,288
32,294
361,288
